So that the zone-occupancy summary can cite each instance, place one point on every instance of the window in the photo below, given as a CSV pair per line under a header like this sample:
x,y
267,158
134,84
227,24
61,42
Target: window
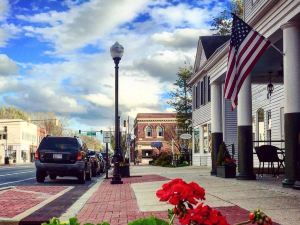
x,y
269,125
206,130
202,93
148,131
261,124
282,122
198,90
204,90
160,131
194,97
196,140
208,89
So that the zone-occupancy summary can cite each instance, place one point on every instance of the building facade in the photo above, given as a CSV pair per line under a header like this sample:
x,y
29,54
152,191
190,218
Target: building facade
x,y
153,133
19,140
259,115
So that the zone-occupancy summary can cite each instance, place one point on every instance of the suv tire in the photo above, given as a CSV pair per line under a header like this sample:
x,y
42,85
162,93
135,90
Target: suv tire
x,y
94,172
40,176
81,177
52,176
89,174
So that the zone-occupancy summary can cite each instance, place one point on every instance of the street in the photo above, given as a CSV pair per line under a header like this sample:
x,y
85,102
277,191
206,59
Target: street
x,y
20,175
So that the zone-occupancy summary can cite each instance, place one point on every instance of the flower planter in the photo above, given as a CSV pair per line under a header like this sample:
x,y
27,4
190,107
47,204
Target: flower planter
x,y
227,171
125,171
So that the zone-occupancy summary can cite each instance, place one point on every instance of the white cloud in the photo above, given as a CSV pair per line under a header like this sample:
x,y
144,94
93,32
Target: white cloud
x,y
176,16
100,99
165,64
7,66
4,9
180,38
83,24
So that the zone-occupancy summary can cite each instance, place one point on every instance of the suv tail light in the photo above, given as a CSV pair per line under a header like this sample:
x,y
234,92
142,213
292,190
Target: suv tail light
x,y
36,155
79,156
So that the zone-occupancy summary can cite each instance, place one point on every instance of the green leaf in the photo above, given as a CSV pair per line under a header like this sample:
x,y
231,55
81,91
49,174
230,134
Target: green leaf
x,y
73,221
149,221
104,223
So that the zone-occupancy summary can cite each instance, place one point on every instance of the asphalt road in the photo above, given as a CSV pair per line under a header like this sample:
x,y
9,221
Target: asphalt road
x,y
17,175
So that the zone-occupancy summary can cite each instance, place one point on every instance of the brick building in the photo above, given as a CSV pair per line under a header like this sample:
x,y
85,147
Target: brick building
x,y
154,132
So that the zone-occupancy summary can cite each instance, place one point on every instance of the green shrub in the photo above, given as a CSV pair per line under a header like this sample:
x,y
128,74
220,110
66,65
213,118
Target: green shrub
x,y
164,159
144,221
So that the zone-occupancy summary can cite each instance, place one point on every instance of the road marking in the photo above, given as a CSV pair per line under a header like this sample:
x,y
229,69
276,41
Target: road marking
x,y
9,174
17,181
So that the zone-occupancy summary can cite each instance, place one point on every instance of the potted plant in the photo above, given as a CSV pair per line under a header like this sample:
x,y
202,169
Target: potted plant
x,y
124,168
226,165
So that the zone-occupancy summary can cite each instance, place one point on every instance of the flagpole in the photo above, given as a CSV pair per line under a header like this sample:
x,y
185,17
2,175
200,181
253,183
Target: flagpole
x,y
277,49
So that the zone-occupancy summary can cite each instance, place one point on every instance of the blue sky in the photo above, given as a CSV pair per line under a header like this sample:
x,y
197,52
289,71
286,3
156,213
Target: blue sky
x,y
54,54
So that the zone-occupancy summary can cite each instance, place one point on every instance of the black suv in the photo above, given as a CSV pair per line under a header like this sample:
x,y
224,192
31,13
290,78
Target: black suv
x,y
62,156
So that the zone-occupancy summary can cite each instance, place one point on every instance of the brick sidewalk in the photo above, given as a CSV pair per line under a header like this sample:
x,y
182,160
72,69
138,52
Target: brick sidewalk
x,y
17,200
117,204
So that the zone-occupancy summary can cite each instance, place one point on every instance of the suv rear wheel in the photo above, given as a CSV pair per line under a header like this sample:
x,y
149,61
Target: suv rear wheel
x,y
40,176
52,176
81,177
94,171
89,174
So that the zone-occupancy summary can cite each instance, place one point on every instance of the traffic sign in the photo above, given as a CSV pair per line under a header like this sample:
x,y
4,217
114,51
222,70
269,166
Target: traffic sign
x,y
91,133
106,139
106,134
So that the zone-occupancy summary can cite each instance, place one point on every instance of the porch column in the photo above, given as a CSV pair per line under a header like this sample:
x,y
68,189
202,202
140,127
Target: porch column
x,y
291,65
216,123
244,121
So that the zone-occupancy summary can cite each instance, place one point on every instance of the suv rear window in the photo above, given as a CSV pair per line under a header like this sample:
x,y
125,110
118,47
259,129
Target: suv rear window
x,y
59,144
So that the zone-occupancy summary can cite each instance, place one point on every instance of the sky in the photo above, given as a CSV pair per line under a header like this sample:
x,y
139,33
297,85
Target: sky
x,y
55,55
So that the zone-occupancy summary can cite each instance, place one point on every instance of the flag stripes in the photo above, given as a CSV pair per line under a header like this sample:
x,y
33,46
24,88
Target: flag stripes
x,y
246,47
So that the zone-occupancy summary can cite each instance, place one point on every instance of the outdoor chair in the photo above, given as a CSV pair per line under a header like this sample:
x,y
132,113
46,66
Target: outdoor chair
x,y
269,154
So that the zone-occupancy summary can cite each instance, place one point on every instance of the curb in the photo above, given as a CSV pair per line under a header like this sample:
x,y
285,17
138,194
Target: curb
x,y
16,219
78,205
6,188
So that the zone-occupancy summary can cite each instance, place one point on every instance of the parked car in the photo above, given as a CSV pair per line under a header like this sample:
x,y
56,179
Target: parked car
x,y
62,156
109,159
96,162
102,162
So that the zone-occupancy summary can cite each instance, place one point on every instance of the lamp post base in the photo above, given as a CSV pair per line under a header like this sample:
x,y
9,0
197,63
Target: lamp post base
x,y
116,179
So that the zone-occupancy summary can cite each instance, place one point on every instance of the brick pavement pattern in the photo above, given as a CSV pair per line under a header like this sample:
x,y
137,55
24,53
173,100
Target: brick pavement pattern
x,y
17,200
117,204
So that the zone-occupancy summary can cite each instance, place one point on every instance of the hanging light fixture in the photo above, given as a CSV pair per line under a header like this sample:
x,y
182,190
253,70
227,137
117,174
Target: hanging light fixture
x,y
270,87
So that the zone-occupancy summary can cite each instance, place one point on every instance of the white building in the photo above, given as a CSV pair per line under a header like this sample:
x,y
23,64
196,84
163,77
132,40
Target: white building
x,y
18,140
277,117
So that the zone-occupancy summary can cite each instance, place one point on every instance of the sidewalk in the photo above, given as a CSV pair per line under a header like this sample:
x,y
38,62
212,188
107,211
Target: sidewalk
x,y
136,198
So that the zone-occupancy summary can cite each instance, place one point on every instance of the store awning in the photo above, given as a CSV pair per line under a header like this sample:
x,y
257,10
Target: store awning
x,y
156,144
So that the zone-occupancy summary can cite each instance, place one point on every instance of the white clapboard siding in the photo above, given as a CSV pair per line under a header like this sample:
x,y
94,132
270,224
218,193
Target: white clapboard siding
x,y
251,7
202,114
275,103
230,127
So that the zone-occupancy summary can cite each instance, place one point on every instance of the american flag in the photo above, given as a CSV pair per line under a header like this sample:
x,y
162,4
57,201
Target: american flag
x,y
246,47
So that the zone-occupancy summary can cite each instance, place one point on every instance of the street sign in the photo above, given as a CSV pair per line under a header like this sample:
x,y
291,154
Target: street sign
x,y
106,137
91,133
106,134
185,136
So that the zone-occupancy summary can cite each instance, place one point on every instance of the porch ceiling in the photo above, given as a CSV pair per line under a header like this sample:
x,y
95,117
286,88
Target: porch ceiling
x,y
270,65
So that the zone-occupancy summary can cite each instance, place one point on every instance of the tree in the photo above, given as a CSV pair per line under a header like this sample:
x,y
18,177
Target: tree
x,y
91,142
13,113
181,98
223,22
50,122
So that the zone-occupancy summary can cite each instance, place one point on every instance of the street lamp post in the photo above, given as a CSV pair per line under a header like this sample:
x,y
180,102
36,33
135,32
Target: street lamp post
x,y
116,52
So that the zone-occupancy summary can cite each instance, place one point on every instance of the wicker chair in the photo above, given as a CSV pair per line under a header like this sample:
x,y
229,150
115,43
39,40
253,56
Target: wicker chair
x,y
269,154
